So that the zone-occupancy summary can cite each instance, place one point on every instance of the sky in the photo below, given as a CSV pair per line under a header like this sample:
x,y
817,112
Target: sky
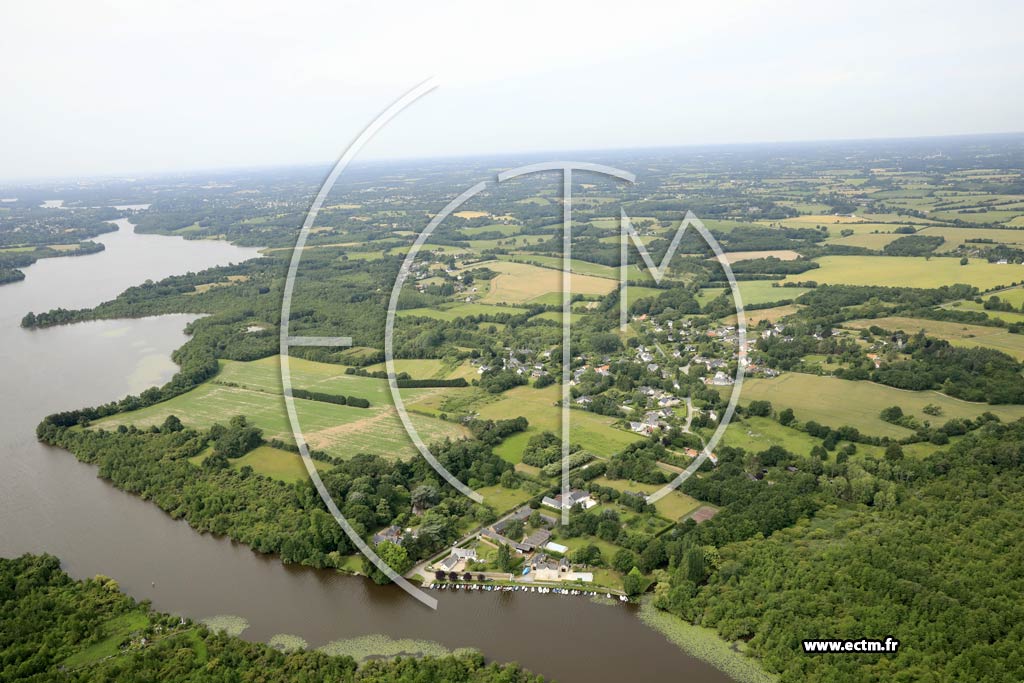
x,y
116,88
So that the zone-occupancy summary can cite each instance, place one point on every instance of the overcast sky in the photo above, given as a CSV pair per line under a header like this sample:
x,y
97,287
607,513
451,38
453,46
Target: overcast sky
x,y
92,88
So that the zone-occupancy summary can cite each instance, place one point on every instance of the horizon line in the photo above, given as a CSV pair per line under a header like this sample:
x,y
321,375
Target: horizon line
x,y
11,182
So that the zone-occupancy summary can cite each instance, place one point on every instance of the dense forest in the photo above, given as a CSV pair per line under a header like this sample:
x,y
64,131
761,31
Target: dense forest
x,y
49,622
929,552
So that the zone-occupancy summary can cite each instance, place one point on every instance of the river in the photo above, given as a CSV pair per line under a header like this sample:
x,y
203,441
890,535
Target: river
x,y
49,502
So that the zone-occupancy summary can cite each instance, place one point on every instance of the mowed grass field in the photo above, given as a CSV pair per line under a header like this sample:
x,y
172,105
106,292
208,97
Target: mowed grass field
x,y
520,282
254,390
958,334
591,431
836,402
910,271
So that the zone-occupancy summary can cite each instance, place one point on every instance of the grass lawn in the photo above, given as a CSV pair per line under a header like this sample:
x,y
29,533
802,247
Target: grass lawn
x,y
591,431
836,402
910,271
958,334
608,550
503,499
253,389
113,631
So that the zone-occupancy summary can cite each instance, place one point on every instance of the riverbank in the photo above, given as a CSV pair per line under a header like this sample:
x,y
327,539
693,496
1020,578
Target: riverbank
x,y
54,503
704,643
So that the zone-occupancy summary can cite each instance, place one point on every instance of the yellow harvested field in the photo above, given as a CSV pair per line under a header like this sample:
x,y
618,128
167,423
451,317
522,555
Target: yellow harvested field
x,y
521,282
772,315
781,254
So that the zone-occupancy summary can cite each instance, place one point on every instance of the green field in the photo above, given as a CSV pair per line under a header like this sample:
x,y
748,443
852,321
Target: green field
x,y
756,434
503,228
591,431
503,499
556,316
910,271
956,236
673,506
836,402
1008,316
581,267
958,334
277,464
866,239
458,310
254,390
756,292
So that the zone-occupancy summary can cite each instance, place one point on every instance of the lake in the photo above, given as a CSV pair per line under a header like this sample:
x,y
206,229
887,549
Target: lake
x,y
52,503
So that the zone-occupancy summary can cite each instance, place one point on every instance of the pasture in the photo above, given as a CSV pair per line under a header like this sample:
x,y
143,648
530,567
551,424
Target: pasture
x,y
958,334
253,389
868,240
457,310
835,402
634,273
591,431
277,464
1008,316
910,271
755,434
956,236
756,292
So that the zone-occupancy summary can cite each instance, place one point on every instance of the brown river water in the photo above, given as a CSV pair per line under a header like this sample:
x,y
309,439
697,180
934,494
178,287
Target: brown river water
x,y
49,502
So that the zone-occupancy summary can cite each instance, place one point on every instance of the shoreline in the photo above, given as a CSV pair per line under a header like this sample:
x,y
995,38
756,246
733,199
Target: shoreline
x,y
705,644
